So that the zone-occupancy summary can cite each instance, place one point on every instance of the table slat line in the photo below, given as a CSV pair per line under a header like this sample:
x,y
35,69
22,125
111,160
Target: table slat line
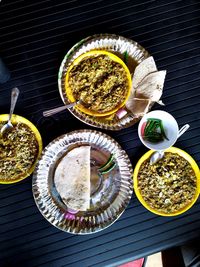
x,y
60,42
157,22
82,28
52,68
88,11
33,12
109,250
82,250
70,236
76,15
24,60
143,255
24,7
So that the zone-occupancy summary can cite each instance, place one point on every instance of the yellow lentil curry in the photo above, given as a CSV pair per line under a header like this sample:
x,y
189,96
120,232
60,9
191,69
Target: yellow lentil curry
x,y
168,185
18,151
99,82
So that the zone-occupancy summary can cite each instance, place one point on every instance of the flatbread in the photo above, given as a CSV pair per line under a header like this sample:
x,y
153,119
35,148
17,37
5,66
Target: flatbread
x,y
139,106
147,87
129,103
151,86
72,178
146,67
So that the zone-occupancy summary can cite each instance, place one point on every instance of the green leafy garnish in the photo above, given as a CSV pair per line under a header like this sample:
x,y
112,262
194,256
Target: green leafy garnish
x,y
154,131
125,57
104,166
108,166
111,167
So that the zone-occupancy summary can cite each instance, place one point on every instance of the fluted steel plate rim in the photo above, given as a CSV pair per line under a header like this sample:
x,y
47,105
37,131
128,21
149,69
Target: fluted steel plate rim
x,y
41,188
112,43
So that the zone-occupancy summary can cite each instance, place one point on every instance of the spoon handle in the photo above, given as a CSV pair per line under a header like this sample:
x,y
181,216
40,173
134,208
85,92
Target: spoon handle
x,y
53,111
157,155
183,129
14,97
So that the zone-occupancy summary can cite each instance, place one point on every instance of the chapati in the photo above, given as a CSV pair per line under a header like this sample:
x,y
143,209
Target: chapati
x,y
151,87
147,87
146,67
139,106
72,178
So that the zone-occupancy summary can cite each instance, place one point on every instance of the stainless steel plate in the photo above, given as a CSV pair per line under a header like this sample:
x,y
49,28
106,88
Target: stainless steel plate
x,y
110,193
129,51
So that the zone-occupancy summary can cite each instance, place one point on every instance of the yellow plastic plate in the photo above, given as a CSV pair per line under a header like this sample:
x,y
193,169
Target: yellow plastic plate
x,y
16,119
183,154
69,92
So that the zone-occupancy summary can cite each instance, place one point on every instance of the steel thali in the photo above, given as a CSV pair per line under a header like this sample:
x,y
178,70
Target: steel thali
x,y
110,193
129,51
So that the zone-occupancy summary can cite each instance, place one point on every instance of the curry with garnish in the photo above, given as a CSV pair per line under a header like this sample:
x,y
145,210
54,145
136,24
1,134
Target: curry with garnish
x,y
99,82
168,185
18,151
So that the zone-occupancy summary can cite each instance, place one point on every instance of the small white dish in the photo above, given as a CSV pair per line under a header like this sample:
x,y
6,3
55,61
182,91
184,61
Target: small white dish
x,y
170,126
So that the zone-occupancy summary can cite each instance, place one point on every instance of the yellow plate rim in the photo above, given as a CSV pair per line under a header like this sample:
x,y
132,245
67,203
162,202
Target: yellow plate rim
x,y
184,155
17,118
92,53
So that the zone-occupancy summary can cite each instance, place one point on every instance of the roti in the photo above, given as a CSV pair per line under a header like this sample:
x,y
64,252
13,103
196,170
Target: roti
x,y
147,87
139,106
146,67
72,178
151,86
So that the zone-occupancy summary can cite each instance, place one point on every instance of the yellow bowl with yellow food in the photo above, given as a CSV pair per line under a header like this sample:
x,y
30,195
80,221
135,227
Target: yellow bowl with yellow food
x,y
20,149
169,187
101,80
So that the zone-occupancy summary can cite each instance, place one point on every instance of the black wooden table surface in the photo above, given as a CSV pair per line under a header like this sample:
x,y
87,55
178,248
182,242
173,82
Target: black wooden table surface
x,y
34,37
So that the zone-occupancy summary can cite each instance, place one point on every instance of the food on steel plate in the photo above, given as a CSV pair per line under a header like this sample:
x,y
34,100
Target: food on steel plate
x,y
72,178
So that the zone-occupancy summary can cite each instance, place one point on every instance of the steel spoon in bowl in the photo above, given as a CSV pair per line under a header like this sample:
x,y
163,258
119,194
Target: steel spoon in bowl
x,y
53,111
160,154
14,96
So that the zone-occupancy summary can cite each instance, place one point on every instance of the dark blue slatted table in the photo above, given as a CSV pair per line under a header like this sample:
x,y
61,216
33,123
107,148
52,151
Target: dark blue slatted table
x,y
34,37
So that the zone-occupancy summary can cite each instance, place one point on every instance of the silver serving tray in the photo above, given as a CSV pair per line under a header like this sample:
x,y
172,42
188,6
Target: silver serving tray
x,y
110,193
129,51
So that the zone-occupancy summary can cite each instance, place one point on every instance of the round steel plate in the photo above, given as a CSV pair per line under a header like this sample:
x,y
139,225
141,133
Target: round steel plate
x,y
129,51
110,193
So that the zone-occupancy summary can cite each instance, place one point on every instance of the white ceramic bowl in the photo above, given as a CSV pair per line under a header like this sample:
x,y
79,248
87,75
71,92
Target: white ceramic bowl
x,y
170,127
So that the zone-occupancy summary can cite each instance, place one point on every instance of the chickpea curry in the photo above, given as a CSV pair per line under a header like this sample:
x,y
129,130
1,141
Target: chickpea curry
x,y
168,185
18,151
99,82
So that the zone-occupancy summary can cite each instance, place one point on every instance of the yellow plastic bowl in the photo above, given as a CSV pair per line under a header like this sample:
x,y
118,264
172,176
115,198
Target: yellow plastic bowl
x,y
16,119
69,92
194,167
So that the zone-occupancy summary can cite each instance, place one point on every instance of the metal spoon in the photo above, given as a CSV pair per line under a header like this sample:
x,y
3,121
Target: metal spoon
x,y
53,111
14,96
160,154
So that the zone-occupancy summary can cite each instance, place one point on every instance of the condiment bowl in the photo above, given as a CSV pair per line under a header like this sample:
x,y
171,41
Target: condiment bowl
x,y
170,126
